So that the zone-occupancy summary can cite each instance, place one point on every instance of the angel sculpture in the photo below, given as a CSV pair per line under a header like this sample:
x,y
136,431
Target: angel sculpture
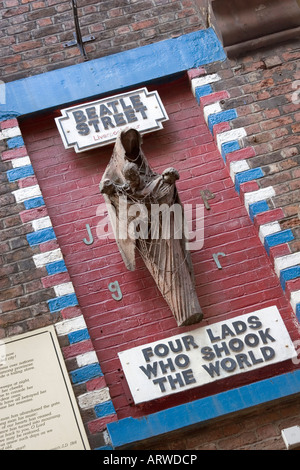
x,y
129,182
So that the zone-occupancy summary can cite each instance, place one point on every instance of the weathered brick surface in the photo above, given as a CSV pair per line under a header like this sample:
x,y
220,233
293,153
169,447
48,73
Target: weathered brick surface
x,y
259,429
25,289
69,183
34,32
264,89
23,298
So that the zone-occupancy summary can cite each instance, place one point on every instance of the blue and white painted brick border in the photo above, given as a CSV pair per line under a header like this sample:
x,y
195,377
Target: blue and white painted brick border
x,y
171,57
88,367
230,142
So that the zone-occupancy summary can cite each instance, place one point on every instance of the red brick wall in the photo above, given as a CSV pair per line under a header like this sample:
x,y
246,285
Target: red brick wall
x,y
34,32
23,298
69,184
259,429
264,89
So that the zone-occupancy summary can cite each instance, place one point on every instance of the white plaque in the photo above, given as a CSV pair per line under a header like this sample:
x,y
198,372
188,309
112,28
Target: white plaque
x,y
38,409
98,123
207,354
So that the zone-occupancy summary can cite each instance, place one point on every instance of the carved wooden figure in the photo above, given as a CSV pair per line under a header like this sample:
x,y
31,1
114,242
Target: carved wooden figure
x,y
139,202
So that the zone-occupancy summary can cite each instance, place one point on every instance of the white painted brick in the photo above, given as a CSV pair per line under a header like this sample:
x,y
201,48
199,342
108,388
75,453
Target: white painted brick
x,y
211,109
90,399
64,289
286,262
9,133
68,326
238,167
268,229
291,437
259,195
86,358
42,259
30,192
200,81
106,438
295,299
228,136
22,161
43,222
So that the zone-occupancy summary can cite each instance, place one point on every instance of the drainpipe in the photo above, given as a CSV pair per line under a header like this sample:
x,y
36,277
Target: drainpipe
x,y
253,24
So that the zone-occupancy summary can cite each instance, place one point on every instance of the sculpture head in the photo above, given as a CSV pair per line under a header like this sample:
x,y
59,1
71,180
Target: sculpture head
x,y
131,174
131,141
170,175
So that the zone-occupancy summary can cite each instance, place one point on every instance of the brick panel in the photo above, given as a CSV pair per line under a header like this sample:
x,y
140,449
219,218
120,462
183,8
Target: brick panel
x,y
35,287
256,130
256,430
69,183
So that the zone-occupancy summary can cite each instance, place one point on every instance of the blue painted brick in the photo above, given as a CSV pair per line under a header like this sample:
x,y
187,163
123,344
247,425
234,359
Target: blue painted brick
x,y
221,117
229,147
56,267
18,173
15,142
202,91
40,236
152,62
278,238
298,312
62,302
104,448
85,373
77,336
6,115
247,175
34,202
257,208
130,430
104,409
288,274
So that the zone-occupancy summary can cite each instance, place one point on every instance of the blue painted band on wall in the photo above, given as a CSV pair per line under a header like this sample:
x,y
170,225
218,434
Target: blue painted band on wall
x,y
104,448
114,73
128,430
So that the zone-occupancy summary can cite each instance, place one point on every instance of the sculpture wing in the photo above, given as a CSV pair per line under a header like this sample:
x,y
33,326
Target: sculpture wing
x,y
126,246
